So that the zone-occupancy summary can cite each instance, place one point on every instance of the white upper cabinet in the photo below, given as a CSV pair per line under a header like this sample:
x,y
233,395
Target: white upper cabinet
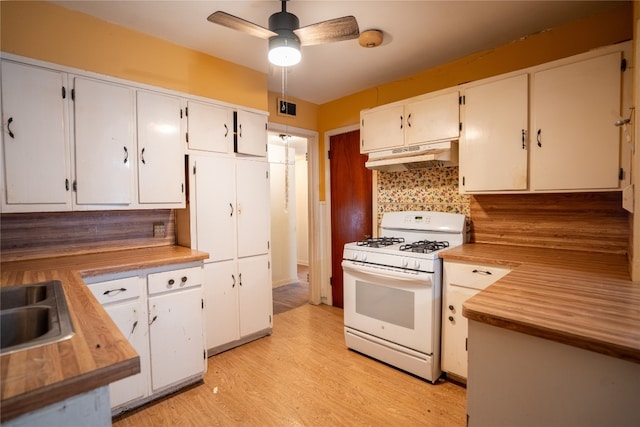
x,y
160,152
428,118
35,141
575,144
494,146
213,199
210,127
250,133
382,128
549,128
431,119
105,149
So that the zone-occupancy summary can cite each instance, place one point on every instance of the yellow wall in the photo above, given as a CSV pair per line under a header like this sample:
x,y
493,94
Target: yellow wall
x,y
570,39
52,33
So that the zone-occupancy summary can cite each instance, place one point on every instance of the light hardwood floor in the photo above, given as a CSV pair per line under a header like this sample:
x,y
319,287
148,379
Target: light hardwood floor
x,y
303,375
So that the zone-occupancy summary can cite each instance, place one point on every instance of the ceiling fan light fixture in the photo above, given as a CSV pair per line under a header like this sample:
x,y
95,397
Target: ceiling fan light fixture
x,y
284,51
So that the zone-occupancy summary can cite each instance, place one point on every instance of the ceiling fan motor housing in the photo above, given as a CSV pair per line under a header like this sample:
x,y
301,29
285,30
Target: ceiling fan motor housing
x,y
284,23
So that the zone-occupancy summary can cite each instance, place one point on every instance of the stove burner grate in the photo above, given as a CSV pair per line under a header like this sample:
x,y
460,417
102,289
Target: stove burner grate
x,y
379,242
424,246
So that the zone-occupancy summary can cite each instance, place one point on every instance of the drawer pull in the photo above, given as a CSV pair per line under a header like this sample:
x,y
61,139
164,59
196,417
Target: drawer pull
x,y
184,279
114,291
171,282
451,307
451,319
485,272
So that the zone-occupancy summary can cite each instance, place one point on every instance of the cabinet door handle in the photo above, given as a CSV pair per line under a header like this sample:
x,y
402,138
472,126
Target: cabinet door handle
x,y
114,291
240,279
523,146
401,123
240,130
539,137
233,277
126,154
409,120
9,127
485,272
142,157
231,209
133,328
226,130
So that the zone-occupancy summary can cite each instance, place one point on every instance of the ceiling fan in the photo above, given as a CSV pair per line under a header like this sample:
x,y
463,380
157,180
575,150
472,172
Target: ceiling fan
x,y
285,35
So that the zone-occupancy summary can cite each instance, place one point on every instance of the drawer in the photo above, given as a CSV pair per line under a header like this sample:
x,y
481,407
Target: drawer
x,y
474,276
116,290
174,279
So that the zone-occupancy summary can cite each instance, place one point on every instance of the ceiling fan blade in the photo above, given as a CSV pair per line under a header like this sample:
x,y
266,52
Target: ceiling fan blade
x,y
333,30
235,23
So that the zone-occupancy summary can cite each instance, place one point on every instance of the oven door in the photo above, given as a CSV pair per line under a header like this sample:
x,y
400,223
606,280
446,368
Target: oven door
x,y
397,306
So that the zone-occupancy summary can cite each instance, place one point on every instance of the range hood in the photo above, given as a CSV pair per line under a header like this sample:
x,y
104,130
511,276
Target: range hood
x,y
438,154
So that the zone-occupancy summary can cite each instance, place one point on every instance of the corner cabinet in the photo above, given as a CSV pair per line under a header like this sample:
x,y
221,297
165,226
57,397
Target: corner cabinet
x,y
36,170
461,281
549,128
427,118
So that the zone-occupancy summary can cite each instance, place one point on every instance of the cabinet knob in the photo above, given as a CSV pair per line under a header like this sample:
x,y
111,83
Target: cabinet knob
x,y
451,318
451,307
184,279
171,282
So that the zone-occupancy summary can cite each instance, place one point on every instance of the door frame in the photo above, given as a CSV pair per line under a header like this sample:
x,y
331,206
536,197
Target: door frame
x,y
313,208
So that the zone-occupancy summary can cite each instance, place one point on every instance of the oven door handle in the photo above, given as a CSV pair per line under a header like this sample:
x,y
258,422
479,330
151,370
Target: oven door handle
x,y
390,274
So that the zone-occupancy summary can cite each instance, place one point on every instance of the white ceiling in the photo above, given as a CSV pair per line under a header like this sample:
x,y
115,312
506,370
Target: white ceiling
x,y
417,34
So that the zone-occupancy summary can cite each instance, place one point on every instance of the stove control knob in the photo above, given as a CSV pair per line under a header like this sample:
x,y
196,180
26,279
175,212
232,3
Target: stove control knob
x,y
416,264
354,255
405,263
364,257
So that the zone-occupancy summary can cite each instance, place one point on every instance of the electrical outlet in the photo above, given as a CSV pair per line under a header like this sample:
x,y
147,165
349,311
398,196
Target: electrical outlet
x,y
159,229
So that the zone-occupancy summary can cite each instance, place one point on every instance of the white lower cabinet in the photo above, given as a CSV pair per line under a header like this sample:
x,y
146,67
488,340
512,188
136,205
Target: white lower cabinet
x,y
124,300
176,340
461,281
161,313
239,302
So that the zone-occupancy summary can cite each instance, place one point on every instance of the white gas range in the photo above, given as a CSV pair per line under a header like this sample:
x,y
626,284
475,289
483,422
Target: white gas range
x,y
393,290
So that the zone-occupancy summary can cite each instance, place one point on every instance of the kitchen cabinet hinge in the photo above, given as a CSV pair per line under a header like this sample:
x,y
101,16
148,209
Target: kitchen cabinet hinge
x,y
186,137
204,354
331,281
181,113
73,94
621,174
182,186
75,186
202,303
66,184
466,344
623,65
269,265
268,245
362,123
460,126
329,152
461,100
64,92
266,148
463,180
186,111
266,126
267,174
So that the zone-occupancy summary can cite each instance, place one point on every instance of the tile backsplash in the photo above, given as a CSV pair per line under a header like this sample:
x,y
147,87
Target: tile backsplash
x,y
434,189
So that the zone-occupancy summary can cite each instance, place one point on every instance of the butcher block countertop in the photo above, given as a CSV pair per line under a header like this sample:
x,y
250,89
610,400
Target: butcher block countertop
x,y
582,299
97,354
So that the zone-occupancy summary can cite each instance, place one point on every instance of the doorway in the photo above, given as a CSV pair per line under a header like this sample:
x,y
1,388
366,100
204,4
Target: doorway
x,y
289,220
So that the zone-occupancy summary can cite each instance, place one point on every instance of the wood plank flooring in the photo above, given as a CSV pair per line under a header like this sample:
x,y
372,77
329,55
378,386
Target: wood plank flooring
x,y
293,295
303,375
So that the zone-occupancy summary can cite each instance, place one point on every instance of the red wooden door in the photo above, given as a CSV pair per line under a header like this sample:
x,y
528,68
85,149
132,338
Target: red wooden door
x,y
350,202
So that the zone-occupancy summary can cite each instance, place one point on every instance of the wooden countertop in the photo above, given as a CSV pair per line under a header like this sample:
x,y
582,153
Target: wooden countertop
x,y
97,354
578,298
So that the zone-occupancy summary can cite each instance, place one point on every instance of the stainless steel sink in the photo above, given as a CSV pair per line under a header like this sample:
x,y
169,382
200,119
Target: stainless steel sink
x,y
33,315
